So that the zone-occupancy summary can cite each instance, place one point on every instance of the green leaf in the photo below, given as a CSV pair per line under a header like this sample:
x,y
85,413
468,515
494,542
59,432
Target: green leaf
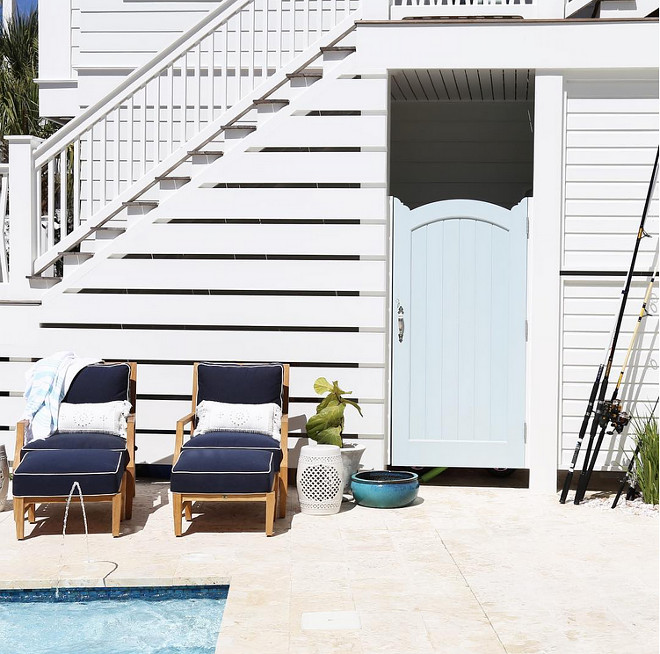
x,y
330,436
355,404
338,391
330,417
328,400
322,385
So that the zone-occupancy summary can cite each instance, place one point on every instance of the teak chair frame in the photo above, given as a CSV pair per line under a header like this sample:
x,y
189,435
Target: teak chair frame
x,y
122,501
275,499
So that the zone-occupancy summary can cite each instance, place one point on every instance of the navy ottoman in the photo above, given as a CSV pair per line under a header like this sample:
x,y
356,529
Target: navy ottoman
x,y
48,476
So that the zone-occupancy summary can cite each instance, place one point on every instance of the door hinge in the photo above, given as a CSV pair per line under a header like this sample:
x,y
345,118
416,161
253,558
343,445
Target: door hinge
x,y
525,431
526,331
527,226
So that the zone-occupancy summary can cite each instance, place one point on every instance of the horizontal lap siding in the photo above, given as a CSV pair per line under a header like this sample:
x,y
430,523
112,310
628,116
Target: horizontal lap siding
x,y
611,138
116,34
253,274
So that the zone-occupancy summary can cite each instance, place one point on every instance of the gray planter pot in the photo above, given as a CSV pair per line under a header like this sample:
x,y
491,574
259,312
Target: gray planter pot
x,y
350,460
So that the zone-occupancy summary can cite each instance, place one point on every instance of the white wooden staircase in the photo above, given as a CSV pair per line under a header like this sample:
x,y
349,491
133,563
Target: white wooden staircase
x,y
123,157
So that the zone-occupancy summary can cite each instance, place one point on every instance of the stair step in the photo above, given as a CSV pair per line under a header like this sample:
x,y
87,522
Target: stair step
x,y
151,204
206,153
309,72
270,101
108,232
248,128
349,49
80,257
173,178
43,281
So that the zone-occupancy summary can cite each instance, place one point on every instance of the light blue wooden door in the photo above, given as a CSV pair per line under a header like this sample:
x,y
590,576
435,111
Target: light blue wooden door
x,y
458,376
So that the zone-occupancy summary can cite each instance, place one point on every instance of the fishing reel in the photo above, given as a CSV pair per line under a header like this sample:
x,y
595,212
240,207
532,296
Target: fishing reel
x,y
611,413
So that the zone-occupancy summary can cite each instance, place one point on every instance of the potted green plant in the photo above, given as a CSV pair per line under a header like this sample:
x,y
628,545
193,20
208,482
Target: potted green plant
x,y
646,463
327,425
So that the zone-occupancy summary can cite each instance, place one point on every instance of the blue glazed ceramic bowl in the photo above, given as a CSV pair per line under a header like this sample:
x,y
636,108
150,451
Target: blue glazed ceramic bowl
x,y
384,489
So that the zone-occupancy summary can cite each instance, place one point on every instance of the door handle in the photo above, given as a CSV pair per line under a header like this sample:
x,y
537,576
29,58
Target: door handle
x,y
401,323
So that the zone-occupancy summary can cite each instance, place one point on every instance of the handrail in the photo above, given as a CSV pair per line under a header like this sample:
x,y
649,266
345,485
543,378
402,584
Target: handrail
x,y
124,136
426,8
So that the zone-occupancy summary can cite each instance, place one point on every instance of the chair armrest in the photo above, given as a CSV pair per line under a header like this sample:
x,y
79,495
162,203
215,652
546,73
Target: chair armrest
x,y
284,440
180,424
130,437
21,426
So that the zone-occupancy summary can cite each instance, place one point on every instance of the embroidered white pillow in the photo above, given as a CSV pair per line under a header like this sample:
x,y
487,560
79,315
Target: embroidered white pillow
x,y
107,417
221,416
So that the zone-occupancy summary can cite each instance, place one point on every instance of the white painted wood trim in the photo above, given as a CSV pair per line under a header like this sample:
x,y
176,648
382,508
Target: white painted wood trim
x,y
544,284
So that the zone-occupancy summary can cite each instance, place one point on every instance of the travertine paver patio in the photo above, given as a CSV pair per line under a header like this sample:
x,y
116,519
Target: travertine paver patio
x,y
464,570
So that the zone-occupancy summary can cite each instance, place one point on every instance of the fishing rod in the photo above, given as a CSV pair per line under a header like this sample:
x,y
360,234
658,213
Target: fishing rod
x,y
611,412
607,366
626,478
583,427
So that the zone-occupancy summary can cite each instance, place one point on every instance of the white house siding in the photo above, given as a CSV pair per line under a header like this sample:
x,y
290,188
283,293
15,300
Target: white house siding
x,y
294,273
102,42
611,139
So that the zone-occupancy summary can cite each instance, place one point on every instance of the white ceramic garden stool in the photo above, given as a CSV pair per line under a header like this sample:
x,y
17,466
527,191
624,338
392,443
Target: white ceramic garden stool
x,y
320,479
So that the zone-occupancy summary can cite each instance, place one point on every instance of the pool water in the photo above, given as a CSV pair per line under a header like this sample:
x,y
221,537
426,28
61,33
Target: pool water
x,y
163,620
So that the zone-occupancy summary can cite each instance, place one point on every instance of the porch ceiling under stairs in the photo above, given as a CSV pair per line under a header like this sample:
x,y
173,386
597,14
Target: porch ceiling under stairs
x,y
460,85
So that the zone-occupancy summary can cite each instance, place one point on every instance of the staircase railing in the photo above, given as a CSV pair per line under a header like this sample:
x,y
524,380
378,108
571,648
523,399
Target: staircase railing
x,y
4,224
476,8
93,159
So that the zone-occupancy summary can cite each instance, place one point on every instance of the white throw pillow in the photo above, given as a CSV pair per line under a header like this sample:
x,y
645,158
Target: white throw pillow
x,y
106,417
221,416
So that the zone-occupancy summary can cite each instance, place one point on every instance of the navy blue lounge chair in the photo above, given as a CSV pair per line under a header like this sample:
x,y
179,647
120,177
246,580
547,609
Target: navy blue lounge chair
x,y
102,463
235,460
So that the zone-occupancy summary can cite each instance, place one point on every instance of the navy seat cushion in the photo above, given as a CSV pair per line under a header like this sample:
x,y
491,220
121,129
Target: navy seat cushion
x,y
49,473
77,441
240,384
100,383
205,471
233,439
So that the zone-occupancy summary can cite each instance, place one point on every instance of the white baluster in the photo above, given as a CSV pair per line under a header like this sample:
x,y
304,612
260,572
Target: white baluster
x,y
63,193
117,151
76,183
264,69
50,190
103,160
225,67
90,175
131,137
170,112
143,143
211,76
197,85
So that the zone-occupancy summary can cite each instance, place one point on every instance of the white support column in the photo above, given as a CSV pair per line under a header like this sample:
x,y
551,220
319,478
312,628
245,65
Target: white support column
x,y
22,212
8,11
544,284
375,9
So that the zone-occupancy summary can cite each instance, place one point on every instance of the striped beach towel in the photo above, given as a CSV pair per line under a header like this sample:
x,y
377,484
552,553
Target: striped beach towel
x,y
47,383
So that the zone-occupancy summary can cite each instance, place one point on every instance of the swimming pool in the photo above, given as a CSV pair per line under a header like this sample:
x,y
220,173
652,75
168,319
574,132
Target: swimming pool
x,y
144,620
